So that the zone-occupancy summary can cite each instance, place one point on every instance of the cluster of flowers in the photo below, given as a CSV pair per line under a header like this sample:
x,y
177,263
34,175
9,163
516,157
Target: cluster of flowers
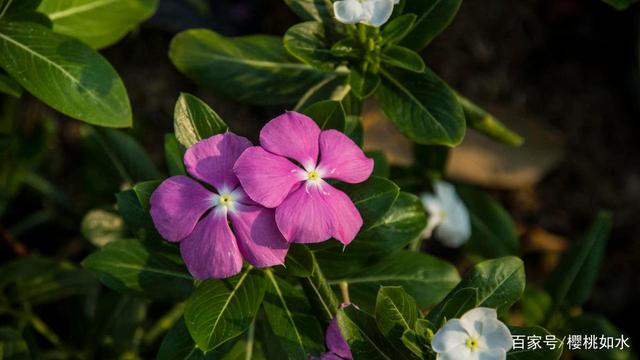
x,y
250,202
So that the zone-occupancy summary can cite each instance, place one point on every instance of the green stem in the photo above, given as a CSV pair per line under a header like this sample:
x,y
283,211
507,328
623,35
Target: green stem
x,y
6,7
320,293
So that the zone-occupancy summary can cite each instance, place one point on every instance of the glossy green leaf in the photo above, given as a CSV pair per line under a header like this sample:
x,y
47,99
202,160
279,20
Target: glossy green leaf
x,y
328,114
291,319
373,198
454,306
143,191
363,84
173,155
257,69
403,58
424,277
347,47
102,227
194,120
493,233
396,312
308,43
433,17
413,343
9,86
396,29
12,345
99,23
422,106
220,310
310,10
545,353
333,87
499,283
485,123
64,73
593,324
150,269
573,279
363,336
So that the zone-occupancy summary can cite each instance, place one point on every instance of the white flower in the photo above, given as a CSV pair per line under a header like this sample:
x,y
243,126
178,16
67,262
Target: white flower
x,y
447,215
477,335
370,12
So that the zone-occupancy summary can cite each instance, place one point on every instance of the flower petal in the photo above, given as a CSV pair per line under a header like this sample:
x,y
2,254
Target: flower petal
x,y
473,320
378,11
455,228
492,354
496,335
211,250
211,160
348,11
259,239
336,342
460,352
265,177
177,205
316,212
342,159
292,135
450,336
434,210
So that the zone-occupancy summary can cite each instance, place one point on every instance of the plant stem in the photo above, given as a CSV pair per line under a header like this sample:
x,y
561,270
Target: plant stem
x,y
344,288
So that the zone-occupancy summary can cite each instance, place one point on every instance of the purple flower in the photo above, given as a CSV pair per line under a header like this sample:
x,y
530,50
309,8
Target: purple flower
x,y
213,244
288,173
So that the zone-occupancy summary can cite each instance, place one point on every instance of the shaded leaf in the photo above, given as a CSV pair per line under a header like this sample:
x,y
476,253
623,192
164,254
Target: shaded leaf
x,y
173,155
363,336
328,114
309,10
307,42
433,17
9,86
404,58
194,120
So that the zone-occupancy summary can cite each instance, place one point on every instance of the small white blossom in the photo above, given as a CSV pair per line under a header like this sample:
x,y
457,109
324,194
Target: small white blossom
x,y
370,12
477,335
448,215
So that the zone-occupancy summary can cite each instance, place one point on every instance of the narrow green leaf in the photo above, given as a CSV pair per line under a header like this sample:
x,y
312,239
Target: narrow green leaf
x,y
220,310
485,123
404,58
320,294
307,42
173,155
194,120
146,268
395,30
64,73
99,23
433,17
9,86
422,106
258,69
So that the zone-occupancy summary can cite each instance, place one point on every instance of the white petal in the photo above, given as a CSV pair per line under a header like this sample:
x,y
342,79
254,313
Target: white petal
x,y
496,335
456,227
348,11
473,320
450,336
378,11
491,354
434,209
460,352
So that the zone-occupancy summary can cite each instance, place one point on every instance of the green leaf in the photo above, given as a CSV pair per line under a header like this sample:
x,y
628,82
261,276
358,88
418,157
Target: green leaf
x,y
310,10
402,224
499,283
173,155
150,269
333,87
98,23
535,304
433,17
413,343
363,84
373,198
65,73
493,233
130,159
291,319
102,227
381,166
9,86
320,294
573,279
593,324
620,4
396,29
396,312
12,345
454,306
298,263
308,43
347,47
485,123
403,58
545,353
257,69
220,310
424,277
132,212
144,190
328,114
422,106
363,336
194,120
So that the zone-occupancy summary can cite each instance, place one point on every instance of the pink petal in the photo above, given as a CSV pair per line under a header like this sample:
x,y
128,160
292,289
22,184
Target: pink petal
x,y
259,239
342,159
211,251
177,205
315,213
267,178
292,135
211,160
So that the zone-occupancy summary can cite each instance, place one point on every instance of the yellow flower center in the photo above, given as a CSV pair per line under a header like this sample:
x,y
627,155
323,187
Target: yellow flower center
x,y
313,175
472,343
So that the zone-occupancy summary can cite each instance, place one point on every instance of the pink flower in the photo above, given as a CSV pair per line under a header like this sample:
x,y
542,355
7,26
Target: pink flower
x,y
213,244
288,173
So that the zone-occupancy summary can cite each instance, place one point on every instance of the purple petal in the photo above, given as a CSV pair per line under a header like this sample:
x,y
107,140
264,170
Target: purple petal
x,y
211,160
336,342
177,205
342,159
267,178
259,239
292,135
211,250
316,212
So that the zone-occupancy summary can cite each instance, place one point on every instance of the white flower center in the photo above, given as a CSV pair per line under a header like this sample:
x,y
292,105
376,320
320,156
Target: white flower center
x,y
225,201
